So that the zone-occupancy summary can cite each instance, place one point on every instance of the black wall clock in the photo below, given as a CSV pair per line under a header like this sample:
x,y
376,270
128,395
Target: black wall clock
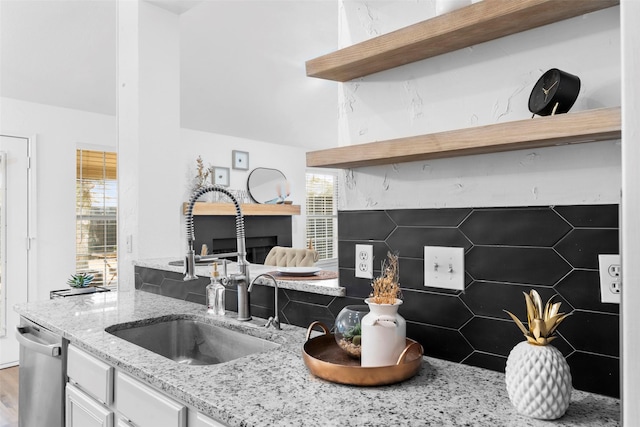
x,y
554,93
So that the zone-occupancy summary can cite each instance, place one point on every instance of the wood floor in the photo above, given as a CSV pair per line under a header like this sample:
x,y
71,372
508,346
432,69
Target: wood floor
x,y
9,397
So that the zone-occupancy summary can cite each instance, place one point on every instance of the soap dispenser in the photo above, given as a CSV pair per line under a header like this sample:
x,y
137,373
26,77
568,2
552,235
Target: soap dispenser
x,y
215,293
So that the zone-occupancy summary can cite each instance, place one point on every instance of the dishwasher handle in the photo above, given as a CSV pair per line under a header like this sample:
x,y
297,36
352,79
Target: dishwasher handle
x,y
53,350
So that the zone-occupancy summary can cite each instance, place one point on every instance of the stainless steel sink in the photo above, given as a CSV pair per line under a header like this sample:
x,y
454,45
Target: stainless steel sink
x,y
191,342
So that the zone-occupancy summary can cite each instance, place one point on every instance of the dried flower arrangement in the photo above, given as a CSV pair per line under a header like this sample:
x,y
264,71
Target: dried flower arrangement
x,y
386,288
200,180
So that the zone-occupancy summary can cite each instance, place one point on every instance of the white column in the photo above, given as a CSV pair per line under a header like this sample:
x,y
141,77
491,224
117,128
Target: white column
x,y
630,227
150,188
128,130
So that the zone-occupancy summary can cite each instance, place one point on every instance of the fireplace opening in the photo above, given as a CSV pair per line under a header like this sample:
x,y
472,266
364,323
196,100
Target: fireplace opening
x,y
257,247
262,233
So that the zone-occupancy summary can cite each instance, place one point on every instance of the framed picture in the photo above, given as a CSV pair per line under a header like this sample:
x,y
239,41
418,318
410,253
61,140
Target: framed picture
x,y
240,160
220,176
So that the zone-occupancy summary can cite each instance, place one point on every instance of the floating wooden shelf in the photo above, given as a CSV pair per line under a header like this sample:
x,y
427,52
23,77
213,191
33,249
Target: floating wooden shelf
x,y
571,128
249,209
468,26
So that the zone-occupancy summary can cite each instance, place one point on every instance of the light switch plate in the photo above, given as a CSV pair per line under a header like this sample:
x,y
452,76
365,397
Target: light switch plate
x,y
610,279
444,267
364,261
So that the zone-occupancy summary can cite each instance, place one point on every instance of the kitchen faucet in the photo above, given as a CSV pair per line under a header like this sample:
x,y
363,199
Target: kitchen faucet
x,y
272,320
241,279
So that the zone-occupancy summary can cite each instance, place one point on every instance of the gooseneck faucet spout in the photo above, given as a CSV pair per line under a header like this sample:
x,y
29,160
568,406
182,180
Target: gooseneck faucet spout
x,y
241,280
272,321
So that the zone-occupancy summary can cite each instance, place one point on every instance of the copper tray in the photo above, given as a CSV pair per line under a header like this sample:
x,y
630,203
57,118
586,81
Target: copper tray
x,y
325,359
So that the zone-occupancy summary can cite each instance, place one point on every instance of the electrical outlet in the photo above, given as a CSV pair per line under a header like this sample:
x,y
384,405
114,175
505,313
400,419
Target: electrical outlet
x,y
364,261
444,267
610,278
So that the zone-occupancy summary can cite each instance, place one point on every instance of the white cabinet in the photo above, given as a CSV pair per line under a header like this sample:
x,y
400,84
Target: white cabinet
x,y
123,423
83,411
197,419
97,395
144,406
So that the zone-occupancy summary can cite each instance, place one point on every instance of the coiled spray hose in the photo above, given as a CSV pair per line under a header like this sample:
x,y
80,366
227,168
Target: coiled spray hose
x,y
189,213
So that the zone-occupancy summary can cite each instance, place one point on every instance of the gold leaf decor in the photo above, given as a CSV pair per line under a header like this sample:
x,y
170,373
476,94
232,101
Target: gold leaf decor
x,y
542,322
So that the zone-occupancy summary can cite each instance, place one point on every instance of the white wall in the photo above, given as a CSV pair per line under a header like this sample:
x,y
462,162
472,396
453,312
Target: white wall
x,y
59,132
243,70
483,84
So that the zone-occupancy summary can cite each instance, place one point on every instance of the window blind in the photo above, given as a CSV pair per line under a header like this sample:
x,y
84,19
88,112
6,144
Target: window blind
x,y
96,216
322,213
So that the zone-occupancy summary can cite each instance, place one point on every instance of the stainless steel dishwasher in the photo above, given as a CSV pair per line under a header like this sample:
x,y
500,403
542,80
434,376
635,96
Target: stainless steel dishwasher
x,y
42,376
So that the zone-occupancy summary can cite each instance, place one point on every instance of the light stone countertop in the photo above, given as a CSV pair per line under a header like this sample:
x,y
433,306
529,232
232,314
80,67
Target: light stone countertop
x,y
329,287
275,388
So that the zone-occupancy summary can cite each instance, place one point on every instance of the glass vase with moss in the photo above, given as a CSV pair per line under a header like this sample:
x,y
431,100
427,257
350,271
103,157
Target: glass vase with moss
x,y
347,330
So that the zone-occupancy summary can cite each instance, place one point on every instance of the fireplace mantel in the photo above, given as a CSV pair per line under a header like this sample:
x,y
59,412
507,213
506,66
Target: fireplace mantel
x,y
248,209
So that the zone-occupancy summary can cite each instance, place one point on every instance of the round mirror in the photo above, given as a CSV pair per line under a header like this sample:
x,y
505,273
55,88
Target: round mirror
x,y
268,185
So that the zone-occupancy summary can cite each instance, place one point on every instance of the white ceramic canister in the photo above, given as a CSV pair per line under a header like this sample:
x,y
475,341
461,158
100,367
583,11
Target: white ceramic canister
x,y
384,334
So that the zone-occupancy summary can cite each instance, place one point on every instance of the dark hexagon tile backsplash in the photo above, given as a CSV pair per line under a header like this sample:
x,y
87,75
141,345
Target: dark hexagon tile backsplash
x,y
508,251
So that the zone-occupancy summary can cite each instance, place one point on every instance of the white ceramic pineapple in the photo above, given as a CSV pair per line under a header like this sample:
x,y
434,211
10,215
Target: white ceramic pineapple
x,y
537,374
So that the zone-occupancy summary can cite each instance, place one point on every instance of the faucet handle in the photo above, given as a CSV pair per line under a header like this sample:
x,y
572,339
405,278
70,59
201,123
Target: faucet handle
x,y
237,279
224,267
273,321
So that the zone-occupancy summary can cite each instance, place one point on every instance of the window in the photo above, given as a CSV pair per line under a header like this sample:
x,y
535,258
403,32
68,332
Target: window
x,y
322,213
96,216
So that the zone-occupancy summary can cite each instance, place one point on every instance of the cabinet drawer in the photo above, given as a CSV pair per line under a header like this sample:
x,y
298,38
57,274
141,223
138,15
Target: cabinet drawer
x,y
90,374
146,407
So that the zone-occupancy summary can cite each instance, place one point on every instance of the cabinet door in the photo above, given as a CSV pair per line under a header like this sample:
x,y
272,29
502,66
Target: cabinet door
x,y
146,407
197,419
83,411
123,423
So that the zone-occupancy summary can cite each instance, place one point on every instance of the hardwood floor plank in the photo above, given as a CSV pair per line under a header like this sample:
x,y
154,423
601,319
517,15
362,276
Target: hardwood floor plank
x,y
9,380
